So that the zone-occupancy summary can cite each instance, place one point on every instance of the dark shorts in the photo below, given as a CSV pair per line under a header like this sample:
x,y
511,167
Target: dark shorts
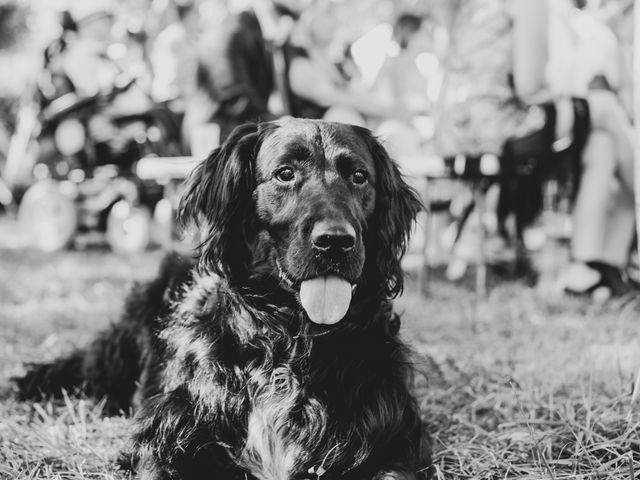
x,y
535,151
528,161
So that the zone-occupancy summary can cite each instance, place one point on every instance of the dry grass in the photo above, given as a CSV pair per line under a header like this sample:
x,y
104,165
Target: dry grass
x,y
521,387
71,441
48,305
529,388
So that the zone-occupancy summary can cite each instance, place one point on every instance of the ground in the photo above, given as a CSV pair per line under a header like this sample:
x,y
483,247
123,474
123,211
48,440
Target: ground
x,y
520,385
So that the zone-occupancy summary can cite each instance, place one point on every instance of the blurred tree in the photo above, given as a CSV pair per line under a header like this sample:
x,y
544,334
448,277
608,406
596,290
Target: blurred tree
x,y
13,22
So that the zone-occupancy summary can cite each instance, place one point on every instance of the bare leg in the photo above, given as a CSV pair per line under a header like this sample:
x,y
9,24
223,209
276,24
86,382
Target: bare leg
x,y
619,230
604,210
592,203
607,114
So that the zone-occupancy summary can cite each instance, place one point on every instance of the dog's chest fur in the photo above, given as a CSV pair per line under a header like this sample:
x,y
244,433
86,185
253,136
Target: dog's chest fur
x,y
281,405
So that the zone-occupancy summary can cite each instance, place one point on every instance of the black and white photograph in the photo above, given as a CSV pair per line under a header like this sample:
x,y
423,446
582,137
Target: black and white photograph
x,y
319,239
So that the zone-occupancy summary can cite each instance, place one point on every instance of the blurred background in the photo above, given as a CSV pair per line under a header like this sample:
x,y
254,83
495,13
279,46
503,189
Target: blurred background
x,y
96,86
514,119
105,107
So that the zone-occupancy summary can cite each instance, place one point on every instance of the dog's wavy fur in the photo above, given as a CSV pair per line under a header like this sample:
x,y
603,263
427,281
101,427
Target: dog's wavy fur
x,y
228,377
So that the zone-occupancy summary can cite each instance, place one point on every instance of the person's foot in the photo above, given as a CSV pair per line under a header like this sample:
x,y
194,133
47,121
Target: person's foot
x,y
595,279
633,270
615,278
579,279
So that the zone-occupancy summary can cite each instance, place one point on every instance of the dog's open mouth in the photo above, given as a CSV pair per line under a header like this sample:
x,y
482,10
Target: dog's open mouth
x,y
326,299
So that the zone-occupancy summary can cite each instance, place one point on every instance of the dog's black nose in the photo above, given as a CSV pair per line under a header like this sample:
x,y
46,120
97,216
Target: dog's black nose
x,y
333,236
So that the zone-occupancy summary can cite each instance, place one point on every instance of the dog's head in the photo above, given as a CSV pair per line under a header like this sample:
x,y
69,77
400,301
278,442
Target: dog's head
x,y
321,204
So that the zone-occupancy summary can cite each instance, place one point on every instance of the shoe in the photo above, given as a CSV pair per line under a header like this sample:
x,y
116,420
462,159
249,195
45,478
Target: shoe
x,y
633,271
579,279
595,279
614,278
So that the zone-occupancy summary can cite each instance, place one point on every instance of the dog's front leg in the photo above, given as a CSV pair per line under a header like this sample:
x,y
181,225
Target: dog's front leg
x,y
168,442
415,467
172,443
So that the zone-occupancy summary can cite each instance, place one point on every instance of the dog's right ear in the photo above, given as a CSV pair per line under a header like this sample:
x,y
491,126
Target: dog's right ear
x,y
218,201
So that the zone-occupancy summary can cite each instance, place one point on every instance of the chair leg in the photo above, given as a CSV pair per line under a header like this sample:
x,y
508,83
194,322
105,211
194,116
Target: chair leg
x,y
481,268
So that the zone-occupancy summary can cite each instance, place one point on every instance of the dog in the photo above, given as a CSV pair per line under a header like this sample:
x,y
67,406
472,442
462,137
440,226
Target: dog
x,y
274,354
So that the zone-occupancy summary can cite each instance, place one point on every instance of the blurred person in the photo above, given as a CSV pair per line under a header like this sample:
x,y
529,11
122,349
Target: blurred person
x,y
91,70
486,76
593,62
318,88
495,69
619,16
174,58
399,80
86,61
586,53
234,75
53,82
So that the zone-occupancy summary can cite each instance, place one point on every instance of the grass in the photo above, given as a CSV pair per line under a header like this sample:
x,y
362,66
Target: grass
x,y
522,385
528,387
48,305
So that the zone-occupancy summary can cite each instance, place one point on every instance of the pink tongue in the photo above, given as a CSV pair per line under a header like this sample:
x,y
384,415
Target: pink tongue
x,y
325,299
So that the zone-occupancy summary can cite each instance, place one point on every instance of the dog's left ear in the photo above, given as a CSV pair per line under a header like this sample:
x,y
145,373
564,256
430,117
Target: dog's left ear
x,y
397,205
218,201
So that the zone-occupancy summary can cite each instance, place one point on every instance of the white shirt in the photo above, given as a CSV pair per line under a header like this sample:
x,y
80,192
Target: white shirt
x,y
580,48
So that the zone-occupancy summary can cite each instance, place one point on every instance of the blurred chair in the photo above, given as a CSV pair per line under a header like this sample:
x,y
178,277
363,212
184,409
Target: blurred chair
x,y
479,174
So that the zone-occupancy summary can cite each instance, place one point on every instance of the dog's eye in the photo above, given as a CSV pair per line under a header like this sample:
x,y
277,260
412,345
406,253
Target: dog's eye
x,y
360,177
285,174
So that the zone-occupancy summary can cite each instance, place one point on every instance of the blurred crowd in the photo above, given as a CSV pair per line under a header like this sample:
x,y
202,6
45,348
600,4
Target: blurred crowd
x,y
447,78
237,61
